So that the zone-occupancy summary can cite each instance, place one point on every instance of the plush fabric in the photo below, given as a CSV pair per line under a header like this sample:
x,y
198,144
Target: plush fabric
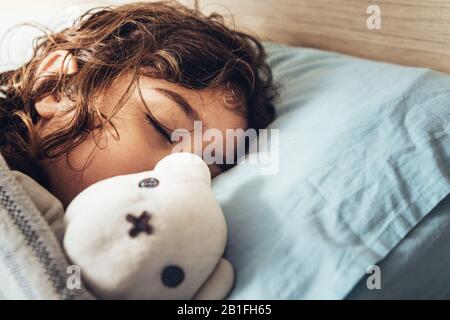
x,y
157,234
364,156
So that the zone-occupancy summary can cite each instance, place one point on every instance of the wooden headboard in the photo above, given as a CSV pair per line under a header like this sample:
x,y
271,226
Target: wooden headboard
x,y
413,32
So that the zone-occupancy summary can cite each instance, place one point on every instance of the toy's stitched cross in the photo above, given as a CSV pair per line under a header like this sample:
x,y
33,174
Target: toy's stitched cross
x,y
140,224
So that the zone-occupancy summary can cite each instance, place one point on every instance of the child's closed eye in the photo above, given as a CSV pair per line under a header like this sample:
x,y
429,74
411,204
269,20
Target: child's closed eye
x,y
163,131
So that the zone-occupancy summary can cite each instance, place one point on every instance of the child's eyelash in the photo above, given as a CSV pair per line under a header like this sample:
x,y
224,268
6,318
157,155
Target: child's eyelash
x,y
150,119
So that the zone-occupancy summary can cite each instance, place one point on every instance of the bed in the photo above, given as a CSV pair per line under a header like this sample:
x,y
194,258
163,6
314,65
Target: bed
x,y
364,150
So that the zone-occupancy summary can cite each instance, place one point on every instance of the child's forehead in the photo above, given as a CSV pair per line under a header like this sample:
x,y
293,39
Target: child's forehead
x,y
230,97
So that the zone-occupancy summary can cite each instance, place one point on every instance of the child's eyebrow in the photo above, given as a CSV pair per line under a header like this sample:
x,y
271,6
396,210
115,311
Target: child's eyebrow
x,y
181,101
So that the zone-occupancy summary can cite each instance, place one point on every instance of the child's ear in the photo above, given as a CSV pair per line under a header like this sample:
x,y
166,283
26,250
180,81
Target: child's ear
x,y
56,62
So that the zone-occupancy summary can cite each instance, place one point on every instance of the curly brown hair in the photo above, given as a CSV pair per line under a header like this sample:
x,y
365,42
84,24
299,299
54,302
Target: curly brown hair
x,y
163,40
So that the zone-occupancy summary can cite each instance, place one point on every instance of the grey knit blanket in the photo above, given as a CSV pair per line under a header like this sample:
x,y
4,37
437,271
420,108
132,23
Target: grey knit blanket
x,y
32,262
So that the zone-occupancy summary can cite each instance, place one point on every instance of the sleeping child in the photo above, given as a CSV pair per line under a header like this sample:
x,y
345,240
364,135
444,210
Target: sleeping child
x,y
102,98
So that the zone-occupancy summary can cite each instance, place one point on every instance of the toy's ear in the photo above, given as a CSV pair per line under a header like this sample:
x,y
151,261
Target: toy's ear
x,y
186,164
218,284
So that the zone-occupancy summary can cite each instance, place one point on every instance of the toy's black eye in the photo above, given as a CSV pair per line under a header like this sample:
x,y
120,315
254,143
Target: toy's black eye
x,y
149,183
172,276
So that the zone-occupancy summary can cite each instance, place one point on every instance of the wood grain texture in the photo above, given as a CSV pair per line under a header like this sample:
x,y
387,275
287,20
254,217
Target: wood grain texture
x,y
413,32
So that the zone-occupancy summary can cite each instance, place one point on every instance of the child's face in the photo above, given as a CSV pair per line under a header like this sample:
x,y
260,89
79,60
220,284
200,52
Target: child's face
x,y
141,145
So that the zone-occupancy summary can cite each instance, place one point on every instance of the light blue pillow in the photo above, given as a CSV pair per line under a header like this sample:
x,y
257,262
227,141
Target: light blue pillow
x,y
364,156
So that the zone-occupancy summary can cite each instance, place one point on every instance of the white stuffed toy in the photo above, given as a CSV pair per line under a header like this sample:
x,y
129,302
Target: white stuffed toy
x,y
159,234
